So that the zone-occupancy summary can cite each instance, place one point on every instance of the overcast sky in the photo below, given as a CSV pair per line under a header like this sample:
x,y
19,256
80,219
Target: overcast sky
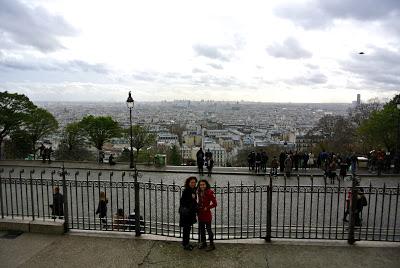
x,y
272,51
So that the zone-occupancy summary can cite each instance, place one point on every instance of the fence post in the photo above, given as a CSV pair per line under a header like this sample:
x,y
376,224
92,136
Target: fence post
x,y
32,203
1,194
65,199
269,209
351,240
137,205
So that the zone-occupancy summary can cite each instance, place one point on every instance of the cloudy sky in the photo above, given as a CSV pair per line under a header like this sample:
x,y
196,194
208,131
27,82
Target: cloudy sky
x,y
272,51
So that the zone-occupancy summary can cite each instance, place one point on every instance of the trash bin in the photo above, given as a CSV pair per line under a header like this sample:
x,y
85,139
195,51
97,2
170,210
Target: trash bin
x,y
29,157
160,160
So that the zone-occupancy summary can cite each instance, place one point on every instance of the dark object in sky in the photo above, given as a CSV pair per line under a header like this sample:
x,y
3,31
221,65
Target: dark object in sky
x,y
361,53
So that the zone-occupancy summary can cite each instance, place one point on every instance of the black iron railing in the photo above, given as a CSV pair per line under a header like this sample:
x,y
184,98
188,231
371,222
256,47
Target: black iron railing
x,y
281,208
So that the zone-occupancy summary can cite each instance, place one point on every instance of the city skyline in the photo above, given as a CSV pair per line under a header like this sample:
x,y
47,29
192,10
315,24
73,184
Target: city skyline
x,y
274,52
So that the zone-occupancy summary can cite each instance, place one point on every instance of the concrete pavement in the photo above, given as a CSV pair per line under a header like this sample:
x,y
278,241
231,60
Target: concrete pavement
x,y
85,250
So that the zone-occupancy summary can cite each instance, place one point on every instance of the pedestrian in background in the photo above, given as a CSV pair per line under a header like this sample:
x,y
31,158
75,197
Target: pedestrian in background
x,y
188,210
102,208
206,202
200,161
57,208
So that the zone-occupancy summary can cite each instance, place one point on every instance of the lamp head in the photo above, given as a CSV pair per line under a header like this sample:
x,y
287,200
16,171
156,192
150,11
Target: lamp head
x,y
130,102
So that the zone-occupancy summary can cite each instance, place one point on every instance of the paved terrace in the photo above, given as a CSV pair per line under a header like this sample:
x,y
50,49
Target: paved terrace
x,y
103,250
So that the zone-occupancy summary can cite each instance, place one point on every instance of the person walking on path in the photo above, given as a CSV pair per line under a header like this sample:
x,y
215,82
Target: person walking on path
x,y
210,165
288,165
200,161
102,208
274,166
206,202
188,210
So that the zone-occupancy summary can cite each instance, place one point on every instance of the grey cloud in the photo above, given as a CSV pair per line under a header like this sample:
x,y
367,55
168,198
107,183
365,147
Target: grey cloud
x,y
197,70
309,79
289,49
72,66
379,67
212,52
320,14
34,27
216,66
145,76
210,80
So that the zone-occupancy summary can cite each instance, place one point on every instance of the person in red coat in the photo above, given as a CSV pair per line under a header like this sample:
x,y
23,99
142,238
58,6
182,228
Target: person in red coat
x,y
206,202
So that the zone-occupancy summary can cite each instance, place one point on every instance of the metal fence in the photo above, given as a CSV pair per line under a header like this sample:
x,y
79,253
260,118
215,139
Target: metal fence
x,y
282,208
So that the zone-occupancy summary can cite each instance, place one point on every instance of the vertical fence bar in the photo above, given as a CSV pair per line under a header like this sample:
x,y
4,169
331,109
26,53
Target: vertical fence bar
x,y
254,211
1,194
330,212
290,212
229,219
269,210
150,204
284,206
41,183
376,205
337,209
382,208
297,206
174,201
324,210
87,200
311,205
32,198
241,209
137,204
76,198
11,192
26,194
388,217
353,201
369,205
395,213
317,215
65,194
37,198
162,207
167,187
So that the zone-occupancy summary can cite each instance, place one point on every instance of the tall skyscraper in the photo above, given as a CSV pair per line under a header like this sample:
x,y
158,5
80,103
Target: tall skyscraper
x,y
358,99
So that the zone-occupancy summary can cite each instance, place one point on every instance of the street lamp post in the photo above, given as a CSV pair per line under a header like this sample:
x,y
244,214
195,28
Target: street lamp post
x,y
132,164
130,103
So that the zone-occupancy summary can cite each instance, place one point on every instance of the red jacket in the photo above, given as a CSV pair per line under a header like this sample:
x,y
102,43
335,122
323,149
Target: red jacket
x,y
206,202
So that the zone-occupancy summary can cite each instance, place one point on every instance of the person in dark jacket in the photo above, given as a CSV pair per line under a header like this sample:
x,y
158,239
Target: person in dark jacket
x,y
188,210
206,202
200,161
282,158
57,208
102,208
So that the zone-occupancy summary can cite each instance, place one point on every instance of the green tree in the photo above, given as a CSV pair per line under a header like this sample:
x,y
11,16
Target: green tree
x,y
19,146
380,129
174,156
73,145
99,129
14,110
39,124
141,137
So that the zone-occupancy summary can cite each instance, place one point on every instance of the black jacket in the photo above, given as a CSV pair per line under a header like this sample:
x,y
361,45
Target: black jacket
x,y
188,207
102,208
58,205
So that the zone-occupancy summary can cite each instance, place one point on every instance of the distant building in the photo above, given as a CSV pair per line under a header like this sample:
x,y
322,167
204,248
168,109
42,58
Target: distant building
x,y
358,99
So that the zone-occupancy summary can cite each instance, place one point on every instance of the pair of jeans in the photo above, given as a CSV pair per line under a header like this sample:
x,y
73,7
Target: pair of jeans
x,y
202,229
186,235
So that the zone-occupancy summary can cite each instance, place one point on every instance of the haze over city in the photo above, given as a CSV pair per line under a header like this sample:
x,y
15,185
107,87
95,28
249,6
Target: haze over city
x,y
268,51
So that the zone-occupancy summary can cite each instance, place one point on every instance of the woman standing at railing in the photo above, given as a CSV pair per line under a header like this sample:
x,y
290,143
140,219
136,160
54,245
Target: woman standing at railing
x,y
187,210
206,202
